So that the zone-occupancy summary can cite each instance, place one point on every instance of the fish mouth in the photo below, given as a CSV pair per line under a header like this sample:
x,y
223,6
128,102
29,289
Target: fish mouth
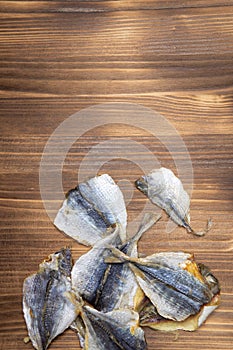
x,y
142,185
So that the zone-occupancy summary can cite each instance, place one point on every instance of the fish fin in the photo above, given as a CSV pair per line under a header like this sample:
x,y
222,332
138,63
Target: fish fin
x,y
113,260
148,221
208,227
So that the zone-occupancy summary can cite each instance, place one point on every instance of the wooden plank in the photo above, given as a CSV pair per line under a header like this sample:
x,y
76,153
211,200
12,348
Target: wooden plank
x,y
162,51
105,6
59,57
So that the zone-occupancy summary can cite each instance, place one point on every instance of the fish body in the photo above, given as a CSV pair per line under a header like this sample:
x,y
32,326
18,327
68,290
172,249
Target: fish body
x,y
175,294
165,190
88,271
91,211
119,288
47,309
149,315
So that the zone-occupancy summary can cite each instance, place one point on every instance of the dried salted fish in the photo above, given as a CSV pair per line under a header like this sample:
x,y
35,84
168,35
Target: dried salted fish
x,y
111,292
119,288
172,281
47,309
88,271
115,330
164,189
92,210
150,317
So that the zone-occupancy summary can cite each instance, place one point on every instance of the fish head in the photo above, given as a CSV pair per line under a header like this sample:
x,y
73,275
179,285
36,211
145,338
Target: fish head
x,y
142,185
210,279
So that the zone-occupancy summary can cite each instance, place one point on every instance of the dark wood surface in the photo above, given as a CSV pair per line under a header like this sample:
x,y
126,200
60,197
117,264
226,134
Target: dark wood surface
x,y
59,57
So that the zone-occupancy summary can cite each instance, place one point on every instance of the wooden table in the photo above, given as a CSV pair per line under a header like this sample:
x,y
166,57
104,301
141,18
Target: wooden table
x,y
60,57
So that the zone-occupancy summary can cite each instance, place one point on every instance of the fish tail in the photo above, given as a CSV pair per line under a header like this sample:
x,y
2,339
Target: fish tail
x,y
117,257
209,224
148,221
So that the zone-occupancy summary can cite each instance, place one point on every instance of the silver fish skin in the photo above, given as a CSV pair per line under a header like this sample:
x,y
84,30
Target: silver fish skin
x,y
165,190
91,211
47,309
115,330
175,292
88,271
119,287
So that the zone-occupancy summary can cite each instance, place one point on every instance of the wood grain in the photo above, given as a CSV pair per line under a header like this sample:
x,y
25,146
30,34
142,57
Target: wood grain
x,y
59,57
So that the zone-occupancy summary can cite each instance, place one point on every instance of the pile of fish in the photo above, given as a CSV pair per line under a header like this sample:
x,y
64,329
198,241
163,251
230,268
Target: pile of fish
x,y
111,293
